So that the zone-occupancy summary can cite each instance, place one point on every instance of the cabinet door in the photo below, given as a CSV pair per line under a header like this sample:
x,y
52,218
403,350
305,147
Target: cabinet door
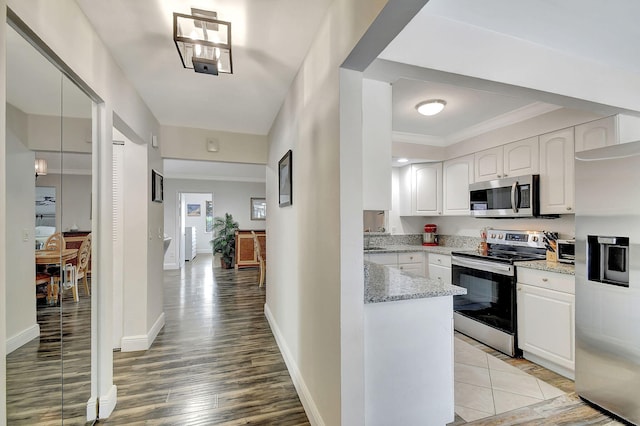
x,y
427,189
488,164
557,172
522,158
546,326
440,273
457,175
416,268
389,259
596,134
405,190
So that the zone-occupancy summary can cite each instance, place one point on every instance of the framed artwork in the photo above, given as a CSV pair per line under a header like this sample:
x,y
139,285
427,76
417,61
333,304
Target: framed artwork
x,y
193,209
285,184
258,208
157,186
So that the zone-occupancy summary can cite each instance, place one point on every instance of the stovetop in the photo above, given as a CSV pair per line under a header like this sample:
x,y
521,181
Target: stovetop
x,y
501,256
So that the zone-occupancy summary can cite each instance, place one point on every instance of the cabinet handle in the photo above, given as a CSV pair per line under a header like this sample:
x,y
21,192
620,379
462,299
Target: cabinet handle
x,y
498,176
439,260
519,288
439,212
410,257
545,280
568,207
504,175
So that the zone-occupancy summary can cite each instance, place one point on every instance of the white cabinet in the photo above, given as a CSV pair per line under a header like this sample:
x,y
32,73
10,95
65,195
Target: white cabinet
x,y
408,262
439,267
546,319
190,247
521,158
489,164
513,159
557,172
421,189
457,175
596,134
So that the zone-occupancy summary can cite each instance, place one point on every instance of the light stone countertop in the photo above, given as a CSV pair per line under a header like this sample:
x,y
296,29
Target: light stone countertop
x,y
408,248
386,284
543,265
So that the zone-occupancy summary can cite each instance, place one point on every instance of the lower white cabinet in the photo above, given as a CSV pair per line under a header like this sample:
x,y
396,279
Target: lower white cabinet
x,y
408,262
546,319
439,267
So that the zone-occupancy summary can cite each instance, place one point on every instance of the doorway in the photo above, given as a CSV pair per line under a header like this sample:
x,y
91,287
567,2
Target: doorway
x,y
196,225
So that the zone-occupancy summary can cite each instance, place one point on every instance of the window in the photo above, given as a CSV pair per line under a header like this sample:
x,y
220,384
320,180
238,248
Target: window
x,y
209,216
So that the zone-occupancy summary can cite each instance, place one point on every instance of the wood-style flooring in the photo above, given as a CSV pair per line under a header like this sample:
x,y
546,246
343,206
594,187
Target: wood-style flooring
x,y
215,362
36,391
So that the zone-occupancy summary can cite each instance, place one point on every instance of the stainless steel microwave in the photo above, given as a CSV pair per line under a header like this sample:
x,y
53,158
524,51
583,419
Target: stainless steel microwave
x,y
509,197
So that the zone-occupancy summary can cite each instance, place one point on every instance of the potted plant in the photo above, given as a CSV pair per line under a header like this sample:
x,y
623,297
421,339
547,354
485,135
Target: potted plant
x,y
225,240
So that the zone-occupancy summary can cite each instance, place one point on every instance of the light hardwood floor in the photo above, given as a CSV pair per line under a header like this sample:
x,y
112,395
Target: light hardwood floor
x,y
215,362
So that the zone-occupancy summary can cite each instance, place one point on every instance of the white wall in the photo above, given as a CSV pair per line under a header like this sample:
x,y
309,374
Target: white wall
x,y
3,214
228,197
199,222
20,214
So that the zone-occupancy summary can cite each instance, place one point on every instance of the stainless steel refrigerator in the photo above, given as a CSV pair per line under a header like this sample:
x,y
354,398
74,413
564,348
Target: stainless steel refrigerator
x,y
607,311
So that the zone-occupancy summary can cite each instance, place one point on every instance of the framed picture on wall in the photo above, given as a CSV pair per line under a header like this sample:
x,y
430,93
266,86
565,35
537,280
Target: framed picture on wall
x,y
258,208
285,184
193,209
157,186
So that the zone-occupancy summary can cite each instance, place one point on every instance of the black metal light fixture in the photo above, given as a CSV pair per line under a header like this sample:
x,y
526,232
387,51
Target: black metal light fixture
x,y
203,42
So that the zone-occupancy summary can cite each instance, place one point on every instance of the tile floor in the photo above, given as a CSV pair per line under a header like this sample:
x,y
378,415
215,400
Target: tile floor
x,y
486,386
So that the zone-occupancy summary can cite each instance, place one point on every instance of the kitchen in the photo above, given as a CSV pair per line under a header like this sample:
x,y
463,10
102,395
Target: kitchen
x,y
433,187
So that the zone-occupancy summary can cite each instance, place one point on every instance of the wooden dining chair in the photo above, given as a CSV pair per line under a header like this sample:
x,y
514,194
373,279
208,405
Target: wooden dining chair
x,y
82,267
41,280
55,242
262,264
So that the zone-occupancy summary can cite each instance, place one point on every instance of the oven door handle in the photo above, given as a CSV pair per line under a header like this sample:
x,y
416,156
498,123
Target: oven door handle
x,y
483,265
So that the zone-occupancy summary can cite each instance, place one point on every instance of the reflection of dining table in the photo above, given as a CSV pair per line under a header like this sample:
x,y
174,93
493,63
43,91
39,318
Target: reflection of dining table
x,y
55,257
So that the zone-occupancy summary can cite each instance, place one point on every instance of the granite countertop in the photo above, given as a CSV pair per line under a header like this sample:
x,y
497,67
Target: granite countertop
x,y
543,265
408,248
386,284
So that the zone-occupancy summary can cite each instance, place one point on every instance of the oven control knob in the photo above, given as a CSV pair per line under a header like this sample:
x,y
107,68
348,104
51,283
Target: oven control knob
x,y
493,235
534,239
499,236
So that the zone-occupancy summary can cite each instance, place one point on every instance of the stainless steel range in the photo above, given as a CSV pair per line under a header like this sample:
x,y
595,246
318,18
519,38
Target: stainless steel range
x,y
487,312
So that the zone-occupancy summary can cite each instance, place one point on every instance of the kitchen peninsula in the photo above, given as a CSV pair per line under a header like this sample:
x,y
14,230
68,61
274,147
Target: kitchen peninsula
x,y
408,337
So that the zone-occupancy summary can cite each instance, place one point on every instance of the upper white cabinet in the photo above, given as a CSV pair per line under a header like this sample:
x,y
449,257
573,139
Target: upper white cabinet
x,y
421,189
557,172
489,164
376,145
596,134
522,158
457,175
513,159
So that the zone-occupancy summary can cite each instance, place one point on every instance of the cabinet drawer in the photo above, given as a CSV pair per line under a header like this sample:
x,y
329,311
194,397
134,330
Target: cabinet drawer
x,y
412,267
384,258
551,280
440,260
440,273
413,257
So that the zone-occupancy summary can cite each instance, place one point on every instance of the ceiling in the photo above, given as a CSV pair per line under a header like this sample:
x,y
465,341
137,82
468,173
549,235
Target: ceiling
x,y
271,37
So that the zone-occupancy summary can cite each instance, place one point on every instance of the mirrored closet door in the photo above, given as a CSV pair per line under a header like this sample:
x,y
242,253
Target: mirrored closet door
x,y
49,238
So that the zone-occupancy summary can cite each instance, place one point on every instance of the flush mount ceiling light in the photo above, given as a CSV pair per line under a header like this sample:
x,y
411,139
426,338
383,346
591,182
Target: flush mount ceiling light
x,y
431,107
203,42
41,167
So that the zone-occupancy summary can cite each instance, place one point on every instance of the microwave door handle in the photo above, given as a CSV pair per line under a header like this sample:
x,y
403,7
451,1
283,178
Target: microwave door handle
x,y
515,197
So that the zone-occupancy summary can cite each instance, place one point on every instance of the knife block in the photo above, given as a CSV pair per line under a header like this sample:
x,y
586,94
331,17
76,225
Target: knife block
x,y
552,255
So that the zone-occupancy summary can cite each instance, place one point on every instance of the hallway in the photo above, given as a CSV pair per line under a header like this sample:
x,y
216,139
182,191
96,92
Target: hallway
x,y
214,362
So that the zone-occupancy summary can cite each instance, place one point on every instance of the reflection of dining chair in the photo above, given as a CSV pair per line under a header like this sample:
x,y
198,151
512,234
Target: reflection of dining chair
x,y
43,279
261,261
82,268
54,242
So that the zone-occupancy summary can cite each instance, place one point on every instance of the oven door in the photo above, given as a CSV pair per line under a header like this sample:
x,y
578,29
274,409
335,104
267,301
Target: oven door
x,y
490,297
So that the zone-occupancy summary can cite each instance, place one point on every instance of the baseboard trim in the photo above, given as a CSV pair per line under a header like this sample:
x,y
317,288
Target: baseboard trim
x,y
92,409
25,336
309,405
107,402
142,342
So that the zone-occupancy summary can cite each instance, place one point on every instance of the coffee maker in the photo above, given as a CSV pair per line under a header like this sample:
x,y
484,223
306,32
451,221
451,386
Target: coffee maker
x,y
429,238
